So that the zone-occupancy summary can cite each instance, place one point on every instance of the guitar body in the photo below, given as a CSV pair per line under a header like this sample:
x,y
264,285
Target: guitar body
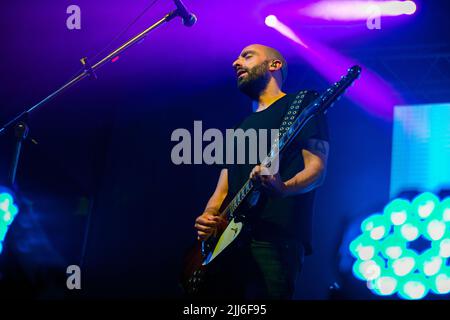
x,y
231,232
199,257
196,262
193,273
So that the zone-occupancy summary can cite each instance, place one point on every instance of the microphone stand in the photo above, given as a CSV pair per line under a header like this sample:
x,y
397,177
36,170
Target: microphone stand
x,y
19,121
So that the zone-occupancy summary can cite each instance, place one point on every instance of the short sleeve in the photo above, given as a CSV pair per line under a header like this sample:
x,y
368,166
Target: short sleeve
x,y
316,128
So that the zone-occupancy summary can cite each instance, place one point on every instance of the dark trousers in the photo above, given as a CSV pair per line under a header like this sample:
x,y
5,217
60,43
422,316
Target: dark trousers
x,y
255,269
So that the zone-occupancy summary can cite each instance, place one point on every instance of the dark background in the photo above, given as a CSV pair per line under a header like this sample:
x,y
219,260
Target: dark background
x,y
104,192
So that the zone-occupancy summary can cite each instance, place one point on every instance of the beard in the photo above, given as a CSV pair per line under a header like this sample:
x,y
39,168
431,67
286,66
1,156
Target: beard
x,y
255,81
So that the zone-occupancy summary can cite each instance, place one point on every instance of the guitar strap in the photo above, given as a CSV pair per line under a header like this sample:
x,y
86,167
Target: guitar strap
x,y
294,110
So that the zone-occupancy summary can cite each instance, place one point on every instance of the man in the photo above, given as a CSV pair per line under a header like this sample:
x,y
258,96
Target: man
x,y
268,256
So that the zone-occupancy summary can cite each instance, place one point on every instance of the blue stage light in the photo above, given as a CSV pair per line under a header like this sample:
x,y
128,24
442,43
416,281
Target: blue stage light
x,y
420,152
386,254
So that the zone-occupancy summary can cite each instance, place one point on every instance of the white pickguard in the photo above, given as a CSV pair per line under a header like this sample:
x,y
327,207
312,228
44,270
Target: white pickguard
x,y
231,232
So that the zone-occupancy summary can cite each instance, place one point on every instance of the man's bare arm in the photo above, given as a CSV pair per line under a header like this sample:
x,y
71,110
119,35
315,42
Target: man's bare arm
x,y
315,156
220,193
208,222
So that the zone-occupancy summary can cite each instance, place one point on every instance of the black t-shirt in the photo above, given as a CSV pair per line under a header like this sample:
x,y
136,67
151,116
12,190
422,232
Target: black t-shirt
x,y
287,218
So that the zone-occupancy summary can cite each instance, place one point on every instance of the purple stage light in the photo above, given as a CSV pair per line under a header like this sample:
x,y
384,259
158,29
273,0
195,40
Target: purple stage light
x,y
357,10
273,22
371,92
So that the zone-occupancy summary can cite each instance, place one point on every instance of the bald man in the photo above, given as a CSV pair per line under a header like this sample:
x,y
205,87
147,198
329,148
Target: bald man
x,y
267,258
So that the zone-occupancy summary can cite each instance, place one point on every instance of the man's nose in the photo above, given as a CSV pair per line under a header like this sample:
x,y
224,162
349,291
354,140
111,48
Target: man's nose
x,y
236,64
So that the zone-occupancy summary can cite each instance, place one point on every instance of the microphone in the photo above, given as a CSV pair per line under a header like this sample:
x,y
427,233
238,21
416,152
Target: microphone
x,y
188,18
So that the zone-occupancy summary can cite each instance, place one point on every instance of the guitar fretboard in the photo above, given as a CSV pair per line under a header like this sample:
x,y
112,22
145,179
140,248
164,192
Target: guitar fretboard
x,y
237,200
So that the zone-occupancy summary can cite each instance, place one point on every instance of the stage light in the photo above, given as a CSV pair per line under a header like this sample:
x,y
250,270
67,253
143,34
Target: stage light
x,y
371,92
377,226
388,258
409,7
393,247
446,214
364,248
421,138
440,284
444,208
431,266
435,230
368,270
444,248
409,232
397,211
414,288
357,10
425,204
8,211
271,21
394,252
385,285
404,265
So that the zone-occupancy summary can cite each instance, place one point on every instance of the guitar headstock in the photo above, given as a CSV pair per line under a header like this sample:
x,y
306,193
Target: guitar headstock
x,y
354,72
334,93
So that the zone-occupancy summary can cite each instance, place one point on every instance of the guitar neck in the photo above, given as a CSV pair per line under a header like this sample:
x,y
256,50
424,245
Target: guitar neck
x,y
237,200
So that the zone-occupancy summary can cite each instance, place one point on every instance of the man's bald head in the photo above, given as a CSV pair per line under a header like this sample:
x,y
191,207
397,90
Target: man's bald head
x,y
257,66
271,54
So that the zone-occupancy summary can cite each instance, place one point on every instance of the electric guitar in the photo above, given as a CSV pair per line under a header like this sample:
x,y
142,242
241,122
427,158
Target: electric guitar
x,y
206,251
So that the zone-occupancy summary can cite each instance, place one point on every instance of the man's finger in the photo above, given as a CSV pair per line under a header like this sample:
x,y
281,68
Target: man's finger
x,y
206,222
203,235
202,228
217,219
255,172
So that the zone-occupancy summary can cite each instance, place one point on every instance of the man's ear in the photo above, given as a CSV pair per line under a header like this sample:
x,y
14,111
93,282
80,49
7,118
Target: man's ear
x,y
275,65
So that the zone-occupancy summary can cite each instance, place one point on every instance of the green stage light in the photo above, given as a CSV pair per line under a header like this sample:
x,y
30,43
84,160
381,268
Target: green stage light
x,y
405,249
405,265
430,263
444,209
377,226
440,283
393,247
425,204
397,211
8,211
444,247
409,231
385,285
368,270
435,229
364,248
414,288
